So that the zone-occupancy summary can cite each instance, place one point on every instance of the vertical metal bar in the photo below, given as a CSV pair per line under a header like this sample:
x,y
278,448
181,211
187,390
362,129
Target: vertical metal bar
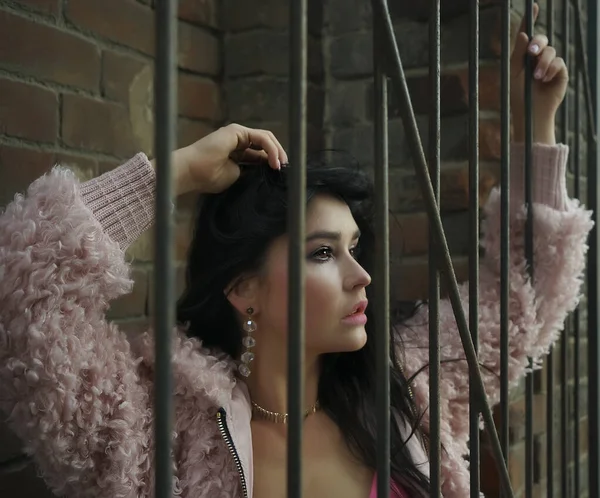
x,y
504,228
564,340
576,315
593,303
166,99
444,260
529,247
550,359
589,101
382,274
434,276
474,463
297,228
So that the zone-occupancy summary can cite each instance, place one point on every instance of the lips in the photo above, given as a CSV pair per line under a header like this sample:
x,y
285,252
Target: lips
x,y
358,309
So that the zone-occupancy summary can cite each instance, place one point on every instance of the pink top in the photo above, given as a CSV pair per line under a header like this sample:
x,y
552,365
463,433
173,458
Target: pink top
x,y
395,490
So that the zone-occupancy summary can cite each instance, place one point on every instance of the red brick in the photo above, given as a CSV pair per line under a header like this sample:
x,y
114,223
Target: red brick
x,y
489,87
191,131
122,21
489,140
199,50
454,91
517,417
415,271
28,111
118,72
242,15
48,6
35,49
199,11
454,192
420,10
199,98
109,131
18,168
409,234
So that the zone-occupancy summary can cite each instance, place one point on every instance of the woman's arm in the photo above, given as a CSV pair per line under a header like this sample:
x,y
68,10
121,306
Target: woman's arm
x,y
538,306
68,383
537,311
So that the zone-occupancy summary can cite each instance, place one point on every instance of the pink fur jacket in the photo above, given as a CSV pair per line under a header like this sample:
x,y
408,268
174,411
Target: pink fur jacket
x,y
79,394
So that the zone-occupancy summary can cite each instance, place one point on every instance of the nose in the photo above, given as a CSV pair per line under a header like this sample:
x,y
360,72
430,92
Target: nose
x,y
357,277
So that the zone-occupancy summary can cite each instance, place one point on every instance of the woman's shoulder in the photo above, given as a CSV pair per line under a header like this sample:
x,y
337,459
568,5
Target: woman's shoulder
x,y
198,371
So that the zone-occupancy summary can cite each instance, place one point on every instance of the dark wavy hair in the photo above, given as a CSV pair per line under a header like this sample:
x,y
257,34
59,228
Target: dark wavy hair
x,y
233,231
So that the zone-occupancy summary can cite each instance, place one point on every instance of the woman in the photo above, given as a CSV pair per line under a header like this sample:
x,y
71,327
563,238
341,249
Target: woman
x,y
79,393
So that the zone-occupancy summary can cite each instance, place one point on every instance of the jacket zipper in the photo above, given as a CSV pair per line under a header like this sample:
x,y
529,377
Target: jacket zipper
x,y
226,435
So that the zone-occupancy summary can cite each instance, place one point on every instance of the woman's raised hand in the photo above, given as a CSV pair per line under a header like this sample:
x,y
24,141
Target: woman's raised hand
x,y
210,165
550,80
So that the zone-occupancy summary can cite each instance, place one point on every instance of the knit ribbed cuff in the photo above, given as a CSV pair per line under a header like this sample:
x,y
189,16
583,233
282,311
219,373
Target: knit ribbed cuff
x,y
123,199
549,163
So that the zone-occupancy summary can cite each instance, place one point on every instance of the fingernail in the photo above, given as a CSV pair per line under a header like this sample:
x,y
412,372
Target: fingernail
x,y
539,74
534,49
285,165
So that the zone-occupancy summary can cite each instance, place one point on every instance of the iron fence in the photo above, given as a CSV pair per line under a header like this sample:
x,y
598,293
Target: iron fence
x,y
389,75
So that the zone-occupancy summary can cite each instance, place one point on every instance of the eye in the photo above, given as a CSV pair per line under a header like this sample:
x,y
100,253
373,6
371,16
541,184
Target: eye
x,y
355,251
323,254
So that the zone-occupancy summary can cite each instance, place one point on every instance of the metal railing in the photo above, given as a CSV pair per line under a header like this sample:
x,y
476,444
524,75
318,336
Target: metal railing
x,y
585,71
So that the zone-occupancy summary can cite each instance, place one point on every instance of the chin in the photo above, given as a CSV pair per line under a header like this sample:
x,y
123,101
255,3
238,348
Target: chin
x,y
352,340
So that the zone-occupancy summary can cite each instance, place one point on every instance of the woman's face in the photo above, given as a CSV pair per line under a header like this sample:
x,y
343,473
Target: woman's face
x,y
335,283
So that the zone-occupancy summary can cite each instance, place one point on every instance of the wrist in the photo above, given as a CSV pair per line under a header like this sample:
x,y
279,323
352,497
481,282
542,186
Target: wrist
x,y
543,130
180,169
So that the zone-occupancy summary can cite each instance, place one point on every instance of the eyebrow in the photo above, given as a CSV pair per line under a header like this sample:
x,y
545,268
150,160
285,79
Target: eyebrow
x,y
330,236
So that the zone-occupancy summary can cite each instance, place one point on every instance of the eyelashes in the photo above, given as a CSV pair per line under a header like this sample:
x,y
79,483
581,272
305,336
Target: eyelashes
x,y
326,253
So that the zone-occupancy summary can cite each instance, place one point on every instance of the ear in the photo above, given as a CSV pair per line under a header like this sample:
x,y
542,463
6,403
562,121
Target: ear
x,y
243,294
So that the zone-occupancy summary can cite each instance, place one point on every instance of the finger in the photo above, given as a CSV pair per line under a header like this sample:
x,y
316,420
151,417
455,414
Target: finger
x,y
523,26
283,157
543,63
517,59
537,44
254,156
556,68
264,140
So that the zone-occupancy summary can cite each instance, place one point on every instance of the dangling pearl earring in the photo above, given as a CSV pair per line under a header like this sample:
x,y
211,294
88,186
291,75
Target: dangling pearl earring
x,y
249,342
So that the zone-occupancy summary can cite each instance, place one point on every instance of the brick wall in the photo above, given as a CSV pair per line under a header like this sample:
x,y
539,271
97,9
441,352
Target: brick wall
x,y
76,88
256,66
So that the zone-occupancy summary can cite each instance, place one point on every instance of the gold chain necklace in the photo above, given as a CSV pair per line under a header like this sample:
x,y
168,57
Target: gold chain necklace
x,y
278,418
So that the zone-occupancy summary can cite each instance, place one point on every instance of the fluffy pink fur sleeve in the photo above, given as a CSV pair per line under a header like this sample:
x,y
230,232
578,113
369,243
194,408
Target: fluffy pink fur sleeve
x,y
68,383
537,311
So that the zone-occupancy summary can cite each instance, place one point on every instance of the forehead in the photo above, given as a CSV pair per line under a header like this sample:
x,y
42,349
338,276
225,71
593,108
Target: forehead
x,y
327,213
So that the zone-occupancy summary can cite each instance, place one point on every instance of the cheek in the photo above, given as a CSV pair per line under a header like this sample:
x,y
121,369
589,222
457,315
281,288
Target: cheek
x,y
322,296
322,291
